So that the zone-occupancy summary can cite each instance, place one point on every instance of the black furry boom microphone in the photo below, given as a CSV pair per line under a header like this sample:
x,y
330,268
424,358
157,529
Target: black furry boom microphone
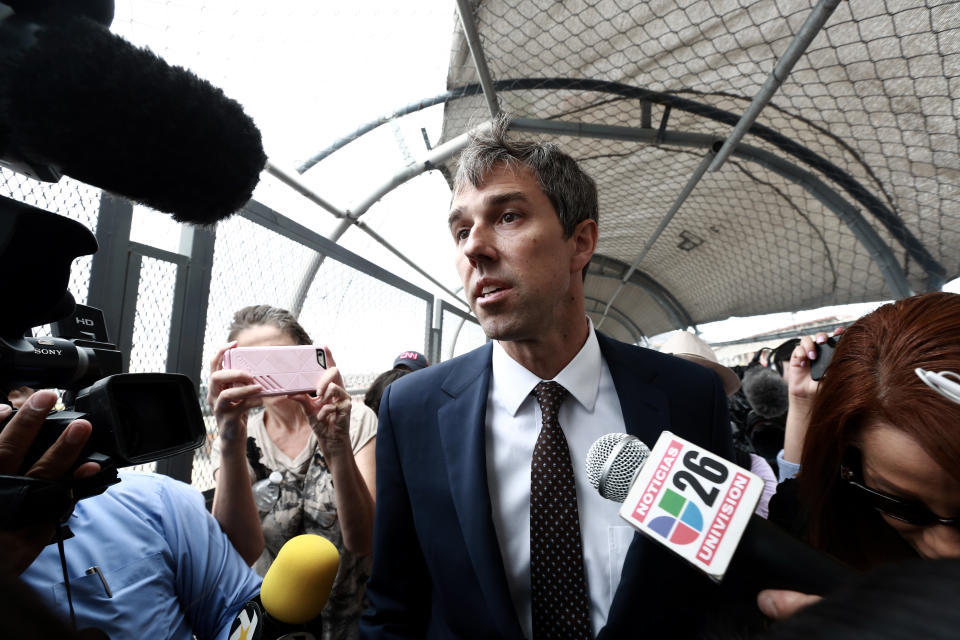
x,y
78,100
766,391
98,10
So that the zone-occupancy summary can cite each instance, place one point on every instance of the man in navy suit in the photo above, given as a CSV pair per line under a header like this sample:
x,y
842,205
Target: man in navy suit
x,y
452,538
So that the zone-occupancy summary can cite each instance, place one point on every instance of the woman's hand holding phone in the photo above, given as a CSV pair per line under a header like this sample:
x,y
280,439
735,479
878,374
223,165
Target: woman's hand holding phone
x,y
230,396
329,411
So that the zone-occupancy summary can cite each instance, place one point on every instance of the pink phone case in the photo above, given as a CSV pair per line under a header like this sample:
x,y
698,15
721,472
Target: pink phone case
x,y
280,370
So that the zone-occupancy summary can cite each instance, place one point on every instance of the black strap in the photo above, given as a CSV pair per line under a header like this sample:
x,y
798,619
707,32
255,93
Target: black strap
x,y
63,566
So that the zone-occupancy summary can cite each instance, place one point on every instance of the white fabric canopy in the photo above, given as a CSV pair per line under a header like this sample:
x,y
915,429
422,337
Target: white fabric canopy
x,y
848,181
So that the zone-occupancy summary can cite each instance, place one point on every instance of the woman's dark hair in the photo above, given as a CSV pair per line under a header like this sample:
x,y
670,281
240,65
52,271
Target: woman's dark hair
x,y
261,314
372,397
871,381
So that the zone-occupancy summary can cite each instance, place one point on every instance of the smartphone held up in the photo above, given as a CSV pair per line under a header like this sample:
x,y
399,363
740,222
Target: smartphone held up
x,y
280,370
824,355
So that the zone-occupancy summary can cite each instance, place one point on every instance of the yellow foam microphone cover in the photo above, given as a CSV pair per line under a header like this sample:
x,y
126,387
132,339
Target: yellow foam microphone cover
x,y
298,582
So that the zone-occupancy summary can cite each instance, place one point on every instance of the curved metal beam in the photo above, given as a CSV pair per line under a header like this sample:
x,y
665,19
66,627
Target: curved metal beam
x,y
436,157
936,274
433,159
620,317
465,11
879,251
681,198
347,219
667,301
808,31
413,107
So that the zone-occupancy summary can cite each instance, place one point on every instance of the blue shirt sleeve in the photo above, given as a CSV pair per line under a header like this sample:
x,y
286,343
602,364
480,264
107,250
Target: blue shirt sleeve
x,y
785,468
213,581
163,567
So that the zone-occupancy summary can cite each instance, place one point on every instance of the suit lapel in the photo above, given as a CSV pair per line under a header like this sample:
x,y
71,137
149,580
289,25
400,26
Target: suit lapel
x,y
646,413
461,423
645,409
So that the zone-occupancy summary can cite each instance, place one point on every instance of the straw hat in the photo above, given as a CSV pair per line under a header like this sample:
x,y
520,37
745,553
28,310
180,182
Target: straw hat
x,y
686,345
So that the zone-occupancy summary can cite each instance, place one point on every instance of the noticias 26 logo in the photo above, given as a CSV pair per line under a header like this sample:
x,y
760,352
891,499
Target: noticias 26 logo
x,y
684,520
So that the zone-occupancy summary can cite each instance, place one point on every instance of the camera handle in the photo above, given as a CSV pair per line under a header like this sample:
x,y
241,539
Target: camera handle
x,y
28,501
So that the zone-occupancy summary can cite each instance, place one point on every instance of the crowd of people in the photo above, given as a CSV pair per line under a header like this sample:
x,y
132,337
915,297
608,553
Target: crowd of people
x,y
464,510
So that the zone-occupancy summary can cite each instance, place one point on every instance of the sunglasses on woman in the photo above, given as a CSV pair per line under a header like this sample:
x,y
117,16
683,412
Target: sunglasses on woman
x,y
911,512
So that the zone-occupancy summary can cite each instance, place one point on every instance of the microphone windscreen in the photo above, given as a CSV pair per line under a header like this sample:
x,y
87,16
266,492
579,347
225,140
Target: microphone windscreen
x,y
766,392
99,10
95,107
298,582
22,226
613,462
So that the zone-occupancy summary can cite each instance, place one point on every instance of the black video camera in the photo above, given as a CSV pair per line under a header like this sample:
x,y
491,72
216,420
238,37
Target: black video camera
x,y
136,417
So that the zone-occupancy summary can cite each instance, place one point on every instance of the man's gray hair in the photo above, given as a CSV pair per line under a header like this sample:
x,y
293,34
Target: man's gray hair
x,y
570,190
263,314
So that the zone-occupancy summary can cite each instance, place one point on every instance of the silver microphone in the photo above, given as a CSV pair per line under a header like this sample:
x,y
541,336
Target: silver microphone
x,y
613,463
765,558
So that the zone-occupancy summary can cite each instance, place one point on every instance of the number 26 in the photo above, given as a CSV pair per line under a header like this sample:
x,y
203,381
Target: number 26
x,y
709,469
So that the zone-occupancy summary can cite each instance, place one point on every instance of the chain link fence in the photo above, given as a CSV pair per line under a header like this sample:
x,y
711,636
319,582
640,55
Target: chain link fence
x,y
364,321
69,198
364,314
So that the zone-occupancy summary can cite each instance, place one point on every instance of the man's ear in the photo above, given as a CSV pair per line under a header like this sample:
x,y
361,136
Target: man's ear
x,y
584,239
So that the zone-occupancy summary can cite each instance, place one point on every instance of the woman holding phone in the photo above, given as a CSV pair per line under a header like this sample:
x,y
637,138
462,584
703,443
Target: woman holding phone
x,y
879,474
322,446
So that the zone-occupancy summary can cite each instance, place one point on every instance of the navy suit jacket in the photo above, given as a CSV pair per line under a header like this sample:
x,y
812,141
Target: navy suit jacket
x,y
437,568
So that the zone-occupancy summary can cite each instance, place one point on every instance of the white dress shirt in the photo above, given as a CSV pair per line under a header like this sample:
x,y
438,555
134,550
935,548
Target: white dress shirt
x,y
513,424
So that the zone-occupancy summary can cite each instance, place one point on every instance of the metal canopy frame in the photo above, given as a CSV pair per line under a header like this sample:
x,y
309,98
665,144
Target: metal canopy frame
x,y
885,216
606,267
465,13
717,153
811,27
273,221
879,250
618,316
350,218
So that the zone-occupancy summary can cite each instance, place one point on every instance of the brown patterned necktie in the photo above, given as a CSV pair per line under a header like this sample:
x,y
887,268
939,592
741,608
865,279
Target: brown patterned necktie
x,y
558,585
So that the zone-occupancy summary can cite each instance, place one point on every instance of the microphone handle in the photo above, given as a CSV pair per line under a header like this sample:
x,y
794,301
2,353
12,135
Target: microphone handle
x,y
770,558
254,623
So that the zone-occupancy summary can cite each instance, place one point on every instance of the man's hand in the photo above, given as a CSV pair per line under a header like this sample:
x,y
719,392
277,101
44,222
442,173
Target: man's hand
x,y
23,545
780,604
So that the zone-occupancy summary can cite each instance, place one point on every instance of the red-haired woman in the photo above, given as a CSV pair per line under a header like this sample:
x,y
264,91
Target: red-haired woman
x,y
880,460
